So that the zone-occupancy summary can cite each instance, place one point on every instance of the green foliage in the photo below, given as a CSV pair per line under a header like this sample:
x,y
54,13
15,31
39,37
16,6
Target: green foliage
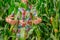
x,y
43,31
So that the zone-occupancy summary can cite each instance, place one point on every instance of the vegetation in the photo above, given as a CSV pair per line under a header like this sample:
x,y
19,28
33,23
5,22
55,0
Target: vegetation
x,y
48,29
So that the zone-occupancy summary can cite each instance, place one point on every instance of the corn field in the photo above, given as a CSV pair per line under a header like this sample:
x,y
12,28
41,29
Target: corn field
x,y
47,29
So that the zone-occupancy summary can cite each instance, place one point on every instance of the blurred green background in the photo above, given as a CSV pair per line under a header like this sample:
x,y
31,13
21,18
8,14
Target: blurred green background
x,y
47,9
